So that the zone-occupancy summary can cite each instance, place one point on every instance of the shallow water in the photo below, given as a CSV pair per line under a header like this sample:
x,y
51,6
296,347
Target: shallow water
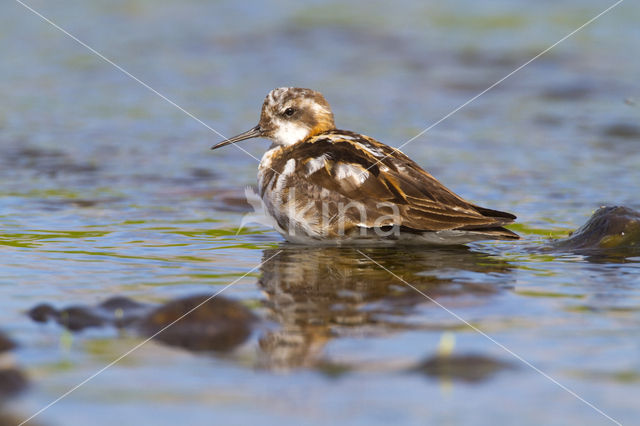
x,y
109,190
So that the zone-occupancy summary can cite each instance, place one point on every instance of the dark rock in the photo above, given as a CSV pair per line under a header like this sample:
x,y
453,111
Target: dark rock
x,y
43,313
12,382
77,318
200,323
6,344
117,311
120,302
121,311
609,228
11,419
465,368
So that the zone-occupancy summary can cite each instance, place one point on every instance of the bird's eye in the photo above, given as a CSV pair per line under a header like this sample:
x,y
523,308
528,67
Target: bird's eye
x,y
289,111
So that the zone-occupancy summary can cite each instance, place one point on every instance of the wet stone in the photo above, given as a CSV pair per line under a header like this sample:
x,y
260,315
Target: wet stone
x,y
77,318
216,324
6,344
74,318
12,380
10,419
120,302
609,228
121,311
43,313
117,311
465,368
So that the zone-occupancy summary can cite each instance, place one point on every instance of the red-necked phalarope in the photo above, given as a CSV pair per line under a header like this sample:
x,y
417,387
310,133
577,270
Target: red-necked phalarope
x,y
321,185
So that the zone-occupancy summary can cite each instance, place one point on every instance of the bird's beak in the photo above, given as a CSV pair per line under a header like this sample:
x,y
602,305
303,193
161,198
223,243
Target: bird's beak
x,y
256,132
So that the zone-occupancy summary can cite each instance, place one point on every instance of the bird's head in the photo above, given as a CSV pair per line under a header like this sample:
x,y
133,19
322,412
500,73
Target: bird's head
x,y
289,115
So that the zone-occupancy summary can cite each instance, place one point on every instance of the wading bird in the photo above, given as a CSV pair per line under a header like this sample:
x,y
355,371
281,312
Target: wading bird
x,y
321,185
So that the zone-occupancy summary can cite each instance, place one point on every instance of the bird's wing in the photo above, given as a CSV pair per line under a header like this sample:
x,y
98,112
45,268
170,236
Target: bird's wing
x,y
350,174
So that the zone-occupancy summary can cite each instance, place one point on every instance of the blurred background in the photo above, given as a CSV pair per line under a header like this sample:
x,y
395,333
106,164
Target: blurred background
x,y
107,189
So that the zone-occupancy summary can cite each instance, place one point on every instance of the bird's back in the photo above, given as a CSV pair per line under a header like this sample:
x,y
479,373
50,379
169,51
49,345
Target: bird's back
x,y
346,187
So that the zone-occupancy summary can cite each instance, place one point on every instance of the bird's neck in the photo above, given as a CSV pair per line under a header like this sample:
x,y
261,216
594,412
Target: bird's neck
x,y
324,124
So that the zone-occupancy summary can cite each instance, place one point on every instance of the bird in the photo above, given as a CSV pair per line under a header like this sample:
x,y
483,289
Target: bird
x,y
323,186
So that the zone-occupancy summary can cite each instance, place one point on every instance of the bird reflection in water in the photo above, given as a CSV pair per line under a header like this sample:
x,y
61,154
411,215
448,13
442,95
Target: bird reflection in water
x,y
319,293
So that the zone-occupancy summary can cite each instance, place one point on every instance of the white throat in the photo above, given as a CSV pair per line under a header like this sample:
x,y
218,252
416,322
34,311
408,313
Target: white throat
x,y
289,133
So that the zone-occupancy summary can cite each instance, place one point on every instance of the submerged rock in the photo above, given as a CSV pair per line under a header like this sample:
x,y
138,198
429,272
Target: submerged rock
x,y
465,368
200,323
12,379
609,228
197,323
12,382
117,311
6,344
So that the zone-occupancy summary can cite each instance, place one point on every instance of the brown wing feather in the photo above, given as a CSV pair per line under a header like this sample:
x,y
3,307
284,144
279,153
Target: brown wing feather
x,y
424,203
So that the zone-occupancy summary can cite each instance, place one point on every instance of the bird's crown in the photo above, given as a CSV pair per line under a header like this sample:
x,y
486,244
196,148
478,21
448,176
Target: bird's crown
x,y
292,114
